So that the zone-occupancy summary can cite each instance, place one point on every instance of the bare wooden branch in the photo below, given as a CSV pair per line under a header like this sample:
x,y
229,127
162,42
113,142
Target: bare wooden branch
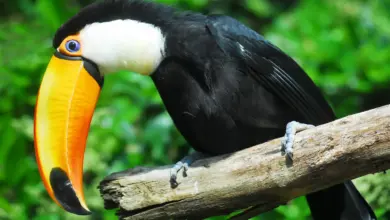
x,y
323,156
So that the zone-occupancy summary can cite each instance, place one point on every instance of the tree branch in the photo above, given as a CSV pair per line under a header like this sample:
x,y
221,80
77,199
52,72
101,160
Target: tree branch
x,y
323,156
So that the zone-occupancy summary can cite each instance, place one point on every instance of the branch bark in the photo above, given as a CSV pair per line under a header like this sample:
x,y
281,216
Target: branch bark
x,y
323,156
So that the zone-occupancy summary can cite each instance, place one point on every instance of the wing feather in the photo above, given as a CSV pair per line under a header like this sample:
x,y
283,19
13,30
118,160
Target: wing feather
x,y
271,68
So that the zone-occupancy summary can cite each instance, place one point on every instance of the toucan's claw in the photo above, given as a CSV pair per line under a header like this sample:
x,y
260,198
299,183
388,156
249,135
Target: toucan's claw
x,y
184,164
288,140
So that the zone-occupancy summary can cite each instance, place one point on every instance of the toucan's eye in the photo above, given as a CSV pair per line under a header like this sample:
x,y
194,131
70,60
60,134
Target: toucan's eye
x,y
72,46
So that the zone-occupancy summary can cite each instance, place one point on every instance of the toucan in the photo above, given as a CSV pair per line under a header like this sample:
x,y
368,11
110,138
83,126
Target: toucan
x,y
224,85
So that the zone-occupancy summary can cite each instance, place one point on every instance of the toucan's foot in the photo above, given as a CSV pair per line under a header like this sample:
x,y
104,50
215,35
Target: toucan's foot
x,y
184,164
288,140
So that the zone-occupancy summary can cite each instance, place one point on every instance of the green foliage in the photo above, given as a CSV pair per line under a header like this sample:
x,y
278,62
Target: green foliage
x,y
376,191
345,51
343,45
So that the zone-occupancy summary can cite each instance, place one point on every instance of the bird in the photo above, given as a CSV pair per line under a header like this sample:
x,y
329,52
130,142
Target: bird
x,y
224,85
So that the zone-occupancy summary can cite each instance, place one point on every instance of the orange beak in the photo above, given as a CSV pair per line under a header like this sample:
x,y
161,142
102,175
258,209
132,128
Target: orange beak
x,y
65,105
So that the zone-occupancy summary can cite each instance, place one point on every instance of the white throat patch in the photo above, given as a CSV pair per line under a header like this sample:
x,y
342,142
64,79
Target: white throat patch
x,y
123,45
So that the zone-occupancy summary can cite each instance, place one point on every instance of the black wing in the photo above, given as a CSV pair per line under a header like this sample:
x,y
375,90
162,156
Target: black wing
x,y
272,68
277,72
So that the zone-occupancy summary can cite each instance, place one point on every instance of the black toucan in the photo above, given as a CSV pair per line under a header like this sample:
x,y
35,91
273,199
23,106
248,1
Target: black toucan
x,y
225,87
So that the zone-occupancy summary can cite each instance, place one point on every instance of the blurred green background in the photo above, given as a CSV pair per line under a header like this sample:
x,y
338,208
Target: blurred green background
x,y
343,45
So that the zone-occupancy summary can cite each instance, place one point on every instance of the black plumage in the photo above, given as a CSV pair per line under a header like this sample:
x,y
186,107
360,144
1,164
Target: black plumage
x,y
227,88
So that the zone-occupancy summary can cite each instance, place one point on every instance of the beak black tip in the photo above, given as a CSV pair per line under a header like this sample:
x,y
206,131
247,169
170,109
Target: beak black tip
x,y
64,192
76,210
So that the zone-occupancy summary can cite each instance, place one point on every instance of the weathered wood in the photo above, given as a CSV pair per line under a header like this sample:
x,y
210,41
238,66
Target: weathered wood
x,y
344,149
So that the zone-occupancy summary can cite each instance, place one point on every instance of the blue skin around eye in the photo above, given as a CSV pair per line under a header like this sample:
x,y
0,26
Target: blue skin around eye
x,y
73,50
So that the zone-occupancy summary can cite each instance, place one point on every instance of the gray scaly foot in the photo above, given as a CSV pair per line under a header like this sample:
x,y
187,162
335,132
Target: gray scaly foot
x,y
288,140
184,164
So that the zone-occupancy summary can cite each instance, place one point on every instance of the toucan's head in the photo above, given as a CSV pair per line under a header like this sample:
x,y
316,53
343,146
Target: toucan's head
x,y
104,37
